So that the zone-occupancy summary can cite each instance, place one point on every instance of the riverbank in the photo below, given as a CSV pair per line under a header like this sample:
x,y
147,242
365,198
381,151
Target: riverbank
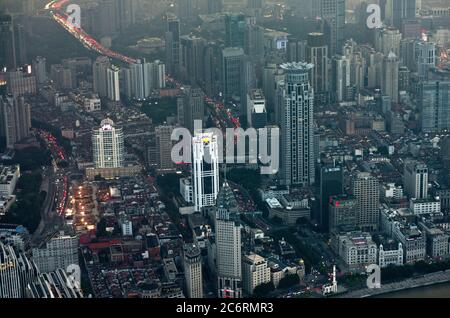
x,y
408,284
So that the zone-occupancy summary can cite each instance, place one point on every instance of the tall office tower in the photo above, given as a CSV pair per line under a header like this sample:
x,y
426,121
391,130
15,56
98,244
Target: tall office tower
x,y
20,82
228,245
333,12
193,107
403,79
271,76
186,10
433,100
40,69
255,271
99,73
112,75
366,189
296,50
7,43
295,105
192,63
398,10
343,213
425,53
388,40
20,44
415,179
331,181
235,25
211,67
341,77
317,54
256,109
215,6
254,41
107,145
158,74
62,77
126,13
389,80
248,81
173,45
59,251
16,272
205,169
232,58
15,118
192,263
164,147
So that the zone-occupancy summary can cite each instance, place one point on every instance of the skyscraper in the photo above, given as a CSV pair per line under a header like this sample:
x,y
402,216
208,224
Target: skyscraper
x,y
433,101
256,109
16,272
398,10
366,189
389,80
15,115
108,145
205,169
341,77
112,75
192,263
333,13
192,63
193,107
173,45
295,105
235,25
231,72
425,53
331,184
317,54
99,73
228,244
215,6
164,147
40,69
343,213
7,43
415,182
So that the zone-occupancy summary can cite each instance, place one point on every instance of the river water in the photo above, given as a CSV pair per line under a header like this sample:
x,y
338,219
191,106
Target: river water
x,y
434,291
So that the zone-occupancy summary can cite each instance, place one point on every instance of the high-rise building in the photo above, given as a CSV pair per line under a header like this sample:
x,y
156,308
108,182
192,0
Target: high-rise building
x,y
62,77
388,40
126,13
7,43
415,176
40,69
248,81
295,103
205,169
333,13
99,73
254,40
164,147
296,50
232,58
59,251
192,107
341,77
366,189
108,145
343,213
256,109
15,116
192,262
433,101
112,75
396,11
331,181
20,82
215,6
142,78
228,245
235,25
16,272
192,50
255,271
389,80
426,58
317,54
173,54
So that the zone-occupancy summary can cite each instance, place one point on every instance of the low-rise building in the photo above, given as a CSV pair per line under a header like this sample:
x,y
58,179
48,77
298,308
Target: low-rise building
x,y
255,271
356,249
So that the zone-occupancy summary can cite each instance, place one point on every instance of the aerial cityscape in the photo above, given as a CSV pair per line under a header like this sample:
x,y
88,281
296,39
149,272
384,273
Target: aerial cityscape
x,y
224,149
